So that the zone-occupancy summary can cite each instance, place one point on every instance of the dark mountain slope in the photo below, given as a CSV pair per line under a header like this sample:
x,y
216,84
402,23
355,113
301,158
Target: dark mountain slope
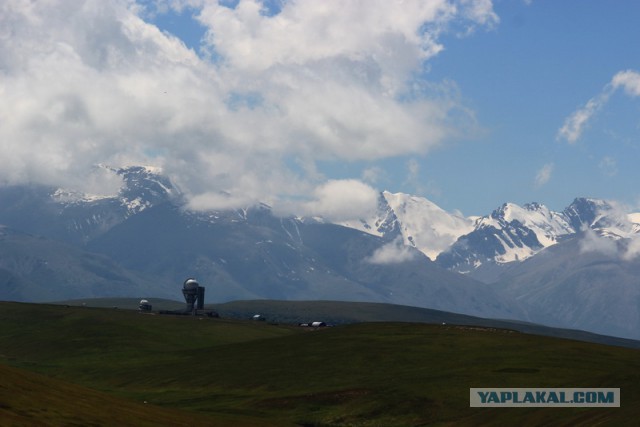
x,y
252,254
39,269
573,285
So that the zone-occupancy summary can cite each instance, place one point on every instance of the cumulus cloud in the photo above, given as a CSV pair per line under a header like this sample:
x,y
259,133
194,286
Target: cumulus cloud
x,y
544,175
394,252
576,123
342,200
88,82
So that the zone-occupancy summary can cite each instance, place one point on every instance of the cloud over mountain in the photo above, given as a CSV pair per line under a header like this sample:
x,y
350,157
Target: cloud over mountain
x,y
272,92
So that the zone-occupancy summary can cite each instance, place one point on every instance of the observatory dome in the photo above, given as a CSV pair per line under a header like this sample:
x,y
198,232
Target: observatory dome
x,y
191,284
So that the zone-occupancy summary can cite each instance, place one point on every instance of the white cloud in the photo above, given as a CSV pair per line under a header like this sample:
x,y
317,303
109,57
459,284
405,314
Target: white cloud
x,y
101,181
394,252
592,242
413,170
342,200
311,31
417,183
577,122
632,250
628,250
608,165
219,200
480,11
374,175
544,175
88,82
621,238
629,80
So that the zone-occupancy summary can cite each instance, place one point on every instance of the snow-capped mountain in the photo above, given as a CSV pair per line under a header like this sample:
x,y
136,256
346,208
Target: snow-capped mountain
x,y
77,217
509,233
142,187
513,233
419,222
145,231
602,217
536,264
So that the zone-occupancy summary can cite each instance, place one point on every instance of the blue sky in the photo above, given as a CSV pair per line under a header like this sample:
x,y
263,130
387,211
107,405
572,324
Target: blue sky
x,y
523,79
313,105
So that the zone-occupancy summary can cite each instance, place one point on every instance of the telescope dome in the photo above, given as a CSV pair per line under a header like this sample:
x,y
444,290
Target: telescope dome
x,y
191,284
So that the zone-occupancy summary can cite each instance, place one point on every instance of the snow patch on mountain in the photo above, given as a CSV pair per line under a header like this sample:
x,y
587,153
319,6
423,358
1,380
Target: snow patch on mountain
x,y
634,219
514,233
510,233
142,187
547,225
426,226
62,195
420,223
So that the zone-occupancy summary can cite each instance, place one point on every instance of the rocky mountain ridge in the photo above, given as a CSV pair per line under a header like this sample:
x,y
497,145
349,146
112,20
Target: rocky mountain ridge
x,y
143,241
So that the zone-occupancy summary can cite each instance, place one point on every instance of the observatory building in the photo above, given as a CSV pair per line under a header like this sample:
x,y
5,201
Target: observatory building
x,y
193,295
144,305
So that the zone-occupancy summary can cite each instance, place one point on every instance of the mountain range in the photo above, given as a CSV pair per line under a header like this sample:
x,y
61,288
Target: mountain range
x,y
571,269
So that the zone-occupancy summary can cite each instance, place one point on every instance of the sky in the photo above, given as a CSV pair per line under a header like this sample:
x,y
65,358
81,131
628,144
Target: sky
x,y
315,106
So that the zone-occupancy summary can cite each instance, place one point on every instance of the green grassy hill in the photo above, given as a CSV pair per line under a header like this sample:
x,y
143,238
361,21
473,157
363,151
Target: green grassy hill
x,y
29,399
231,372
343,312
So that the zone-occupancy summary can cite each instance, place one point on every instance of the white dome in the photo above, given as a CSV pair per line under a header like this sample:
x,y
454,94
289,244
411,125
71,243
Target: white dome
x,y
191,284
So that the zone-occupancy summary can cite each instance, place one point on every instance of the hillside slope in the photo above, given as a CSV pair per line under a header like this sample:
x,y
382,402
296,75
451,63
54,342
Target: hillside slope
x,y
34,268
387,374
46,401
584,282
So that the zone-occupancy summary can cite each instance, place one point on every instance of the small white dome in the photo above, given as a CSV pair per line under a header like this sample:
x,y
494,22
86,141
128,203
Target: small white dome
x,y
191,284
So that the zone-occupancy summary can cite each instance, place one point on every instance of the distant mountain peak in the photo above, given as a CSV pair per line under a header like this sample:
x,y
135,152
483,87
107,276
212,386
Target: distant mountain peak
x,y
513,233
418,221
509,233
140,187
534,206
585,212
144,186
150,240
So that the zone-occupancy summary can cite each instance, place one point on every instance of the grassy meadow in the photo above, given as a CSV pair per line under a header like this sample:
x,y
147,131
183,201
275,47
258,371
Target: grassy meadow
x,y
99,366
